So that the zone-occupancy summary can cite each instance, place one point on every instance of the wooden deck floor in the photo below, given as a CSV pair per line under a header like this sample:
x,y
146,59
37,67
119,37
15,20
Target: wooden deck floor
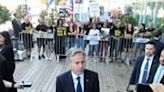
x,y
112,77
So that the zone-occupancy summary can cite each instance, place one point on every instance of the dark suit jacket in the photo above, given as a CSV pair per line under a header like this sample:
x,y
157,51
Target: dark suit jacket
x,y
5,73
64,82
153,72
136,71
144,88
8,53
17,27
2,86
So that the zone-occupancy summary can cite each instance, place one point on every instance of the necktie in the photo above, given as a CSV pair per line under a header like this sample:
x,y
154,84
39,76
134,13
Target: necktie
x,y
79,89
145,74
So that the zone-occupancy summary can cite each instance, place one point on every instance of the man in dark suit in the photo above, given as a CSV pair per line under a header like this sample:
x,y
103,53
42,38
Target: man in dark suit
x,y
143,65
157,75
78,79
158,44
16,26
156,78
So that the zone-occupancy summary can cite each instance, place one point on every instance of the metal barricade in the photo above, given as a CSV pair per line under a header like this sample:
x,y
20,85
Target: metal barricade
x,y
23,44
60,46
45,40
113,48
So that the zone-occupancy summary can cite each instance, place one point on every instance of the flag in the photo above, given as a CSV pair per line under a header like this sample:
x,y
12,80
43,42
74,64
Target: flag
x,y
70,7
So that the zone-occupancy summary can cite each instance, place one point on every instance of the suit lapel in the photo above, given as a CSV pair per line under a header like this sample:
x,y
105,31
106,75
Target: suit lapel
x,y
86,82
152,73
139,69
70,81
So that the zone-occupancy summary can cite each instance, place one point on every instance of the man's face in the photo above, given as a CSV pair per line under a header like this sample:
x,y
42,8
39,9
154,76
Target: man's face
x,y
77,63
149,50
161,59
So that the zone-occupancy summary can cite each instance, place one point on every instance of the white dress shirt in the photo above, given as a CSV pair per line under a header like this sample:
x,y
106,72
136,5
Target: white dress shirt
x,y
143,66
75,81
159,74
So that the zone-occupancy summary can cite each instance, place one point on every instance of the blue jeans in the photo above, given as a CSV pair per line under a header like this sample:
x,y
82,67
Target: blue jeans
x,y
70,42
92,49
80,43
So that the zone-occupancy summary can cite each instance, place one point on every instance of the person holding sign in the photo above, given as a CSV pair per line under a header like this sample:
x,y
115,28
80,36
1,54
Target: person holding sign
x,y
41,30
94,35
60,36
104,41
27,30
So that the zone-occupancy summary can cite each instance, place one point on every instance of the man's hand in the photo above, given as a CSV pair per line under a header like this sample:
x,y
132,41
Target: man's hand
x,y
157,87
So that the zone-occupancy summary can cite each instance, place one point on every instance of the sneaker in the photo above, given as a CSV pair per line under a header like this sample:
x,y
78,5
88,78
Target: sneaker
x,y
39,57
43,56
29,56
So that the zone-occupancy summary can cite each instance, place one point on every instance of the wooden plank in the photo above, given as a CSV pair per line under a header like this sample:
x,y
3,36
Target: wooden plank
x,y
43,73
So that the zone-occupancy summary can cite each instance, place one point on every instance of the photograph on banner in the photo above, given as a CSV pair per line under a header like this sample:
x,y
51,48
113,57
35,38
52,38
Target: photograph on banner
x,y
105,31
77,17
94,10
77,12
63,12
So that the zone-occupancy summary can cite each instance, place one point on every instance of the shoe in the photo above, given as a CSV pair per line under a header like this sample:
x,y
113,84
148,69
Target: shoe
x,y
39,57
43,56
29,56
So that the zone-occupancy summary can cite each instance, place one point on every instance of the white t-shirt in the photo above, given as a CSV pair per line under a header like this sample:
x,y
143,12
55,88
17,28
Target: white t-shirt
x,y
94,36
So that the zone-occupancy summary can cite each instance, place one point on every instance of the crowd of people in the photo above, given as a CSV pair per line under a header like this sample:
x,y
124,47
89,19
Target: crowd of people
x,y
105,39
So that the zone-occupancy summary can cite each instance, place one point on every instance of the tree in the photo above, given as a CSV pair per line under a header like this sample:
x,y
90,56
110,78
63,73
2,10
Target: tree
x,y
53,16
161,24
20,11
4,14
43,14
127,19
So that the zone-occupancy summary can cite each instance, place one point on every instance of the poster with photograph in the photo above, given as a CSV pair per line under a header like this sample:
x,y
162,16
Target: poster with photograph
x,y
94,10
63,12
105,31
77,12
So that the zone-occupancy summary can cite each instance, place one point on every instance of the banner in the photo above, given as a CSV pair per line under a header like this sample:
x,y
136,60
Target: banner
x,y
80,15
63,12
94,9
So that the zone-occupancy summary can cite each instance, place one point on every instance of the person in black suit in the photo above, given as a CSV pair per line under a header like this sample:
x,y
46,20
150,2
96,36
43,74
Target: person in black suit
x,y
157,75
16,24
2,86
158,44
6,50
143,66
78,79
156,78
6,77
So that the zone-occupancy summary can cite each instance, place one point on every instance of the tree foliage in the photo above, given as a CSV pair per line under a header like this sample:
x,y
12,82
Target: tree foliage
x,y
127,19
43,14
19,11
161,24
53,16
4,14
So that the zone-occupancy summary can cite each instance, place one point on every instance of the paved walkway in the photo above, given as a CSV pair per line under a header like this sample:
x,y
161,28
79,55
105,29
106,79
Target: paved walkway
x,y
43,73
